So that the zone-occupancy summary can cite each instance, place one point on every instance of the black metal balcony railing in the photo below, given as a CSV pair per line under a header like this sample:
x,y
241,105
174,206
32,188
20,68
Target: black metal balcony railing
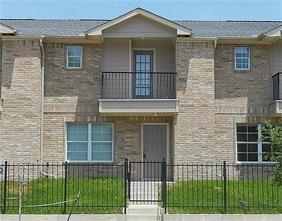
x,y
138,85
277,86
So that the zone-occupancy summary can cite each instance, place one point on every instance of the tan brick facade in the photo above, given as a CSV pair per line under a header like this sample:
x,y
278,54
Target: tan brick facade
x,y
194,126
241,96
21,93
212,99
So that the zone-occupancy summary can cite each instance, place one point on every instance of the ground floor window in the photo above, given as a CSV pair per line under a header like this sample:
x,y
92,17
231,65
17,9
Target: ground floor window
x,y
90,142
250,146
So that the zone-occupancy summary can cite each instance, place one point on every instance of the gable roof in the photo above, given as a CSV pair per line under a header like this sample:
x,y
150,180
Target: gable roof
x,y
201,29
274,32
181,29
5,29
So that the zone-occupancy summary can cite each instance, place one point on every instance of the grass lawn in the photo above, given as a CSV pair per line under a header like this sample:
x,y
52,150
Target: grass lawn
x,y
206,196
105,194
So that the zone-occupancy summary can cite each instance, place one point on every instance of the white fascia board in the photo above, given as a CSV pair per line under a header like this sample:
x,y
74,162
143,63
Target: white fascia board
x,y
181,30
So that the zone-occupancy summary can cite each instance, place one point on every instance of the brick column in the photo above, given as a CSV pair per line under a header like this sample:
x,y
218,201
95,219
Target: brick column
x,y
194,125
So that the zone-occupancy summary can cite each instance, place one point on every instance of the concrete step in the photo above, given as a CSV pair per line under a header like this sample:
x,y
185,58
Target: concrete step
x,y
143,217
139,209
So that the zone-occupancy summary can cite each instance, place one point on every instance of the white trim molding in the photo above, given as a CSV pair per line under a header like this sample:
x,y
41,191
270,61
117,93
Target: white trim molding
x,y
5,29
181,30
124,107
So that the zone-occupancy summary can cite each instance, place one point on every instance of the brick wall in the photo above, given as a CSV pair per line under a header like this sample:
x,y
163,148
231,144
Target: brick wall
x,y
194,125
241,96
21,93
72,96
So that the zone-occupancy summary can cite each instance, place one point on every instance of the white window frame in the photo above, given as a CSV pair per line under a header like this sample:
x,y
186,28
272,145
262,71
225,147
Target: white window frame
x,y
81,48
89,145
249,59
259,144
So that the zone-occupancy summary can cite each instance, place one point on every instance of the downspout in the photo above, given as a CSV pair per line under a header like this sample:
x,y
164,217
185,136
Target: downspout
x,y
42,99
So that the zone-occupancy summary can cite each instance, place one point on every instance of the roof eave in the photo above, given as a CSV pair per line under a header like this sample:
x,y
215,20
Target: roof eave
x,y
181,30
5,29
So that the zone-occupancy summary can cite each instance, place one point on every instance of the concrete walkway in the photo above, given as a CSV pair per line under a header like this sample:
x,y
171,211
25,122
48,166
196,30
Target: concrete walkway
x,y
144,190
113,217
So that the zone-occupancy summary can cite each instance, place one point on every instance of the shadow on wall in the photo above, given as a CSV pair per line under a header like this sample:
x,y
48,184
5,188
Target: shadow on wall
x,y
17,57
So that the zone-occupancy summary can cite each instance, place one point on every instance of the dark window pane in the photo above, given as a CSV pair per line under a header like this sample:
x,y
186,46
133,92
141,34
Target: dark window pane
x,y
266,147
252,148
241,137
241,128
252,157
252,128
242,147
252,137
242,157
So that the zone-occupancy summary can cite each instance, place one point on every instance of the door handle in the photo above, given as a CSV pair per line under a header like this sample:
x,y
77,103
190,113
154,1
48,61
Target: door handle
x,y
144,156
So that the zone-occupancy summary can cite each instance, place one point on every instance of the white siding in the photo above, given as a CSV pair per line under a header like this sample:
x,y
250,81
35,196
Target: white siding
x,y
116,55
164,53
277,57
139,26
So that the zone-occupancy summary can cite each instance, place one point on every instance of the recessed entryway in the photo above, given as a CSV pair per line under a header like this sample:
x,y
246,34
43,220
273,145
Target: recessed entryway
x,y
154,148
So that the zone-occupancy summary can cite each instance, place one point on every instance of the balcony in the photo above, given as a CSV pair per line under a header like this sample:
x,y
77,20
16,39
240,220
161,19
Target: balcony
x,y
125,93
276,106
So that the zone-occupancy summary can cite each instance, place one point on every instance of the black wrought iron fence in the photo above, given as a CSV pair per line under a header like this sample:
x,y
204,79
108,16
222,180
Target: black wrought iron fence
x,y
107,188
52,188
138,85
223,188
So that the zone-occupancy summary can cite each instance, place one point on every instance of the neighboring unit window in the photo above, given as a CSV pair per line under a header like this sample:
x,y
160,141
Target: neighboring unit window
x,y
250,148
90,142
242,58
74,56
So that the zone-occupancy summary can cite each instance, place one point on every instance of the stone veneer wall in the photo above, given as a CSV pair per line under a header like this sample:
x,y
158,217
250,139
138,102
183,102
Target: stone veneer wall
x,y
21,93
194,125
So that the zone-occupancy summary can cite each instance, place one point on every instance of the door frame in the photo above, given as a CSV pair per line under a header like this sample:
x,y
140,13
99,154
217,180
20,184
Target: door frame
x,y
167,139
153,50
133,81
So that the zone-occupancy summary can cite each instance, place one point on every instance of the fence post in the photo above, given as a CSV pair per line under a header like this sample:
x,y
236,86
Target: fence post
x,y
129,180
224,188
65,187
163,172
125,183
5,188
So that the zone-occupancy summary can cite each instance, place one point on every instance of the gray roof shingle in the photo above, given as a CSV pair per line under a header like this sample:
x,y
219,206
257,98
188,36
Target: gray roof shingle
x,y
54,27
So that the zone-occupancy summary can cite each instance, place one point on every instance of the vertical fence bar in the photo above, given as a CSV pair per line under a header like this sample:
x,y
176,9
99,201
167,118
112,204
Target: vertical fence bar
x,y
164,198
65,187
5,188
129,181
224,188
125,184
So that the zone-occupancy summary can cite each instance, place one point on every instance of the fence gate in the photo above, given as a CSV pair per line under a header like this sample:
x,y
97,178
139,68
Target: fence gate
x,y
147,182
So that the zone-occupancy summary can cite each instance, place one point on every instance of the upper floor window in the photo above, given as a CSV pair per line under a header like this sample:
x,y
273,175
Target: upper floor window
x,y
250,145
74,56
242,58
90,142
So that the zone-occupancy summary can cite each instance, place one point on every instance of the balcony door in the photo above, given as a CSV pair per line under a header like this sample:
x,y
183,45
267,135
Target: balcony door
x,y
143,78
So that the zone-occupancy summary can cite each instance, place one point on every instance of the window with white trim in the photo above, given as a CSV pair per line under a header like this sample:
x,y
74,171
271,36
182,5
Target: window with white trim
x,y
74,56
90,142
242,58
250,145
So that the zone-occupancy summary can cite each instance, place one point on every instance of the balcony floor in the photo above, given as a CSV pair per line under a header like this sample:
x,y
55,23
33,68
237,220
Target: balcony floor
x,y
124,107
